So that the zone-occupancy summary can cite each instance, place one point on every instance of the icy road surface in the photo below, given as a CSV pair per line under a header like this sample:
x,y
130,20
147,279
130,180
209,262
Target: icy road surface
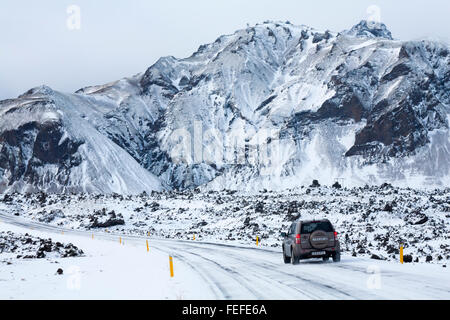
x,y
204,271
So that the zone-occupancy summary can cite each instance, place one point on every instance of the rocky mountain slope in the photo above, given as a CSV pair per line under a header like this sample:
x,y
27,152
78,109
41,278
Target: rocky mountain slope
x,y
270,106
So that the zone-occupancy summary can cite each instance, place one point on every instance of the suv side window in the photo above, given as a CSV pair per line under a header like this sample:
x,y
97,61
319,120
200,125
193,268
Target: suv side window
x,y
292,228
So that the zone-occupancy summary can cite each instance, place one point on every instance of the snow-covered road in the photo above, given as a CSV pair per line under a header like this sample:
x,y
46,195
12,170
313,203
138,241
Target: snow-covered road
x,y
221,271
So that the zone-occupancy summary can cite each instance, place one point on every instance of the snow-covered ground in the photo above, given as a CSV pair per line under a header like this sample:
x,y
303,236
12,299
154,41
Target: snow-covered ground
x,y
108,270
204,271
223,262
371,222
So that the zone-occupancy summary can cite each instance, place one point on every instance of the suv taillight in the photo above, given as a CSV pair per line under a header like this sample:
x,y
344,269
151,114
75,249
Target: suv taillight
x,y
298,239
335,235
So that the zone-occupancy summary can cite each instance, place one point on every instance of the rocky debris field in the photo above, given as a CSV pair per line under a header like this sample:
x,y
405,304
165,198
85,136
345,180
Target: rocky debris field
x,y
20,246
102,219
371,221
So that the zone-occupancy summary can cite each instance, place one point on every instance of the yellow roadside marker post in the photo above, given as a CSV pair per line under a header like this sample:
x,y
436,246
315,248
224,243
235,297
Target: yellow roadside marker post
x,y
171,266
148,249
194,237
401,253
120,240
257,240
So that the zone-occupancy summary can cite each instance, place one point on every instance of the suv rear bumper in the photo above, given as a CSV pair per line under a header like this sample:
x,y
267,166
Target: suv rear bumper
x,y
303,253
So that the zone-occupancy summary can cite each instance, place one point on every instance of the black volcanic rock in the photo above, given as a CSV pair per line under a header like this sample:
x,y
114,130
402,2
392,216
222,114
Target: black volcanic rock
x,y
407,258
337,185
29,247
27,148
395,133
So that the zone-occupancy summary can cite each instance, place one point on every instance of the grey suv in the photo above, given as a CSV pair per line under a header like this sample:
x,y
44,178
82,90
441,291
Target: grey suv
x,y
310,239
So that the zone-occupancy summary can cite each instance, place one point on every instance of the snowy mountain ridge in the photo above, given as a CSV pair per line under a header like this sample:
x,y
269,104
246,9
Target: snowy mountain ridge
x,y
270,106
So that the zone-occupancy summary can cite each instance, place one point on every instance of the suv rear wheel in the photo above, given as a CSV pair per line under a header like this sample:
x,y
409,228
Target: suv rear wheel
x,y
294,258
337,257
286,259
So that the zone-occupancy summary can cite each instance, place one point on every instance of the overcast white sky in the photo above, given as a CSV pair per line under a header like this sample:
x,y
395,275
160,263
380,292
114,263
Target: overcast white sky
x,y
120,38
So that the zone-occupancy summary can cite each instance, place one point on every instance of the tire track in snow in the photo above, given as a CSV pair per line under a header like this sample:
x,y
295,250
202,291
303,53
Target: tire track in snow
x,y
263,268
272,277
220,269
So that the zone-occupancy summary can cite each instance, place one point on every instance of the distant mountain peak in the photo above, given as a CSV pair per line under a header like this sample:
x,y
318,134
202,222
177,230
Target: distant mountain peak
x,y
40,90
371,29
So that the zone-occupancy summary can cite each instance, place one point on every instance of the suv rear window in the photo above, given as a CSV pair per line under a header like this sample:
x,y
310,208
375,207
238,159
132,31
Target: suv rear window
x,y
310,227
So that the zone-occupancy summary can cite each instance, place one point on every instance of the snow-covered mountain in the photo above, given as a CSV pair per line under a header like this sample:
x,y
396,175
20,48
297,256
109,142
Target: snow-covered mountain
x,y
357,106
